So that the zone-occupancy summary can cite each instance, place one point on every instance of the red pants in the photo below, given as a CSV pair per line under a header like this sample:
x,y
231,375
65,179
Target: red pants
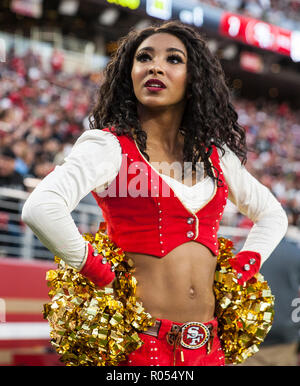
x,y
156,351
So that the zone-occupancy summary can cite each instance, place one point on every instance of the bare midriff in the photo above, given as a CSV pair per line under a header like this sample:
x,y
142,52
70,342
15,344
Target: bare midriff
x,y
178,286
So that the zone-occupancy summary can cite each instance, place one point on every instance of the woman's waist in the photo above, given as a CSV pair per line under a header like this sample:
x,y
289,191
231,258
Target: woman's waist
x,y
175,285
178,310
176,297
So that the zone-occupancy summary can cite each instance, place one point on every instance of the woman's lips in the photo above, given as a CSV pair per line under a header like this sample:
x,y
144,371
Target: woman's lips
x,y
155,85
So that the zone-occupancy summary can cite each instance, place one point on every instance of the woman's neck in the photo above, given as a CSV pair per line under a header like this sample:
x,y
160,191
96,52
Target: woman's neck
x,y
161,127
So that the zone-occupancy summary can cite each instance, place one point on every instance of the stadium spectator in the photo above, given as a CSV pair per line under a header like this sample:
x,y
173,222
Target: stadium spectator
x,y
10,231
9,177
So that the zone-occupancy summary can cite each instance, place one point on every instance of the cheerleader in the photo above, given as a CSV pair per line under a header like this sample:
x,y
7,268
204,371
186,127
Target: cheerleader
x,y
163,154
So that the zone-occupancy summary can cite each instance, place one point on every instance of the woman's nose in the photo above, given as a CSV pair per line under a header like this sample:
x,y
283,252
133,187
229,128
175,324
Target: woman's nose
x,y
153,70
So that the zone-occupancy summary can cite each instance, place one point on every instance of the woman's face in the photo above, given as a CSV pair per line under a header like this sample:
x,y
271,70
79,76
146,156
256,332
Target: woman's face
x,y
159,71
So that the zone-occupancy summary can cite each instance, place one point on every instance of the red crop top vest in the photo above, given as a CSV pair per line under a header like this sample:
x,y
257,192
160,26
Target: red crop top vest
x,y
144,215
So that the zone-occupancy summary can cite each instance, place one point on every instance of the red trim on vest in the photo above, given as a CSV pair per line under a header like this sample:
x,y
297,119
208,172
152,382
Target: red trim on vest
x,y
144,215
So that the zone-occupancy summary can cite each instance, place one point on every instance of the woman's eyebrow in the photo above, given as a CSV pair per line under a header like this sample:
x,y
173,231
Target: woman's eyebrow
x,y
151,49
175,49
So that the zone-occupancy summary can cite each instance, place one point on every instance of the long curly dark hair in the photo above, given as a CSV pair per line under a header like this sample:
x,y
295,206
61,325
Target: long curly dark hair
x,y
209,117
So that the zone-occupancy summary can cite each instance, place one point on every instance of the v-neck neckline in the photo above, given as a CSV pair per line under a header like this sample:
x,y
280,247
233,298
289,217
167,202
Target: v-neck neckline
x,y
175,195
182,184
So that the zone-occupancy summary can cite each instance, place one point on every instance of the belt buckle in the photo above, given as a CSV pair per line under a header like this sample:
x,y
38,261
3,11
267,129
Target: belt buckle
x,y
194,335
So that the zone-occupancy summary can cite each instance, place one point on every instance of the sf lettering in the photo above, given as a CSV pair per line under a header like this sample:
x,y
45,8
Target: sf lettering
x,y
194,335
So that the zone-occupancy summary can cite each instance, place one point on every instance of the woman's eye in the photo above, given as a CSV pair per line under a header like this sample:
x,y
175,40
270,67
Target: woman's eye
x,y
175,59
143,57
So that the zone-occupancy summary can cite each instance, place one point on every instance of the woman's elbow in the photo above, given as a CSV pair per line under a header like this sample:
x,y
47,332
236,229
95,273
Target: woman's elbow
x,y
285,221
281,219
28,211
32,209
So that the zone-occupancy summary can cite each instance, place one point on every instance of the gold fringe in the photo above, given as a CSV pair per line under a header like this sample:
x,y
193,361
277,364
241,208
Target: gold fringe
x,y
245,313
91,326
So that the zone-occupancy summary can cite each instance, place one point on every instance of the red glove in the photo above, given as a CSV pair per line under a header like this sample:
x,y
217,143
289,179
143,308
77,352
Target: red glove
x,y
97,269
246,264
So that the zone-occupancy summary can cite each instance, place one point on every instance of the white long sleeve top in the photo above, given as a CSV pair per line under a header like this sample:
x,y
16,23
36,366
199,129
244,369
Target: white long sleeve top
x,y
95,161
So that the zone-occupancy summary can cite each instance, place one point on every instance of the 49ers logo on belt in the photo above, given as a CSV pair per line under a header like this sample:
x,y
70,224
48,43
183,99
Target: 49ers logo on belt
x,y
194,335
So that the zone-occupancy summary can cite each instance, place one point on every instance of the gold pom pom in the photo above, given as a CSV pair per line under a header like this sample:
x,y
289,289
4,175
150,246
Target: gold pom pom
x,y
245,313
91,326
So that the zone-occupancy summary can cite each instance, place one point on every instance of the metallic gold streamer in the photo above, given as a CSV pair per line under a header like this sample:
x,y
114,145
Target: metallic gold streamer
x,y
245,313
91,326
99,327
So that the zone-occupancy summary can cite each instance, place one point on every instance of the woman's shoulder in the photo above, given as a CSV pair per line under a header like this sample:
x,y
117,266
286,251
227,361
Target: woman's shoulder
x,y
227,155
99,137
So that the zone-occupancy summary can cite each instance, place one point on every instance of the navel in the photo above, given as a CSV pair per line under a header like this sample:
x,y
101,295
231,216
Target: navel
x,y
192,292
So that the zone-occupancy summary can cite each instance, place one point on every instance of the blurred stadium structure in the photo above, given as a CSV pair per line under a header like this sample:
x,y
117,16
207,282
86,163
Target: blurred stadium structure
x,y
52,54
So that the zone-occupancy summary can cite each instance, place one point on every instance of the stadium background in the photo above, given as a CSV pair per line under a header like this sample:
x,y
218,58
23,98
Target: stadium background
x,y
52,54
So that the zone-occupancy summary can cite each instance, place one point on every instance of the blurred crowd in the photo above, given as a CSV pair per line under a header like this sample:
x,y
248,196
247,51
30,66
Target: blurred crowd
x,y
282,12
273,132
43,112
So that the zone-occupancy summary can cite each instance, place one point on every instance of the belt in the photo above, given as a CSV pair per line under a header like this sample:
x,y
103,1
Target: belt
x,y
153,330
191,335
